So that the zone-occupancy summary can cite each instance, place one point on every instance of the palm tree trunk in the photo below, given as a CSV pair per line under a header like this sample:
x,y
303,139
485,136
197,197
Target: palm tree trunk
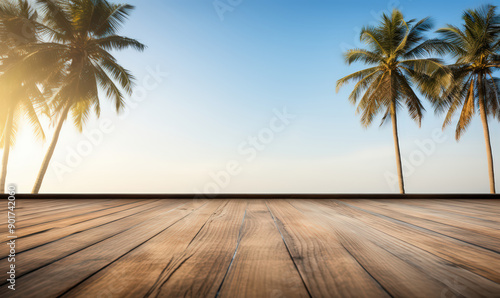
x,y
486,130
396,147
6,149
50,151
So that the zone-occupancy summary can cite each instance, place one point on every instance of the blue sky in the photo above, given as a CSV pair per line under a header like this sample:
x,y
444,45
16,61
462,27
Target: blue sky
x,y
228,73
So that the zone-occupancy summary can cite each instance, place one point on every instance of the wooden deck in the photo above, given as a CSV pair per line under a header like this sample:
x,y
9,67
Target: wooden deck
x,y
255,248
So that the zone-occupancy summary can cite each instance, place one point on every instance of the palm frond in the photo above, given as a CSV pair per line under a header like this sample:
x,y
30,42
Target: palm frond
x,y
115,42
111,19
360,55
355,77
57,15
362,85
468,111
117,72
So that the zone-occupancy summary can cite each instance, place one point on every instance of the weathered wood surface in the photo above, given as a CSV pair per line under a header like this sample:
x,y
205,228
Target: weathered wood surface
x,y
255,248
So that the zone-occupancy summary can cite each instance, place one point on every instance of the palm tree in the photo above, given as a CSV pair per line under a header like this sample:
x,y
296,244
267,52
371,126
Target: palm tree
x,y
397,65
476,48
19,93
83,33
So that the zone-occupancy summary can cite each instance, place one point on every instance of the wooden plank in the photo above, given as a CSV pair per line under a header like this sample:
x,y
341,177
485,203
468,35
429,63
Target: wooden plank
x,y
200,270
487,208
29,205
52,215
464,222
76,210
60,207
55,233
56,278
38,229
326,266
486,203
460,212
455,212
478,260
262,266
50,252
395,275
23,220
481,236
73,220
135,274
403,269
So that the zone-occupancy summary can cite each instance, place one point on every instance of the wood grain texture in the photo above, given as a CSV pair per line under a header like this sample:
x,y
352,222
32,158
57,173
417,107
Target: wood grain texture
x,y
328,269
285,247
64,244
43,233
63,210
200,269
476,259
61,274
417,273
137,272
471,232
262,266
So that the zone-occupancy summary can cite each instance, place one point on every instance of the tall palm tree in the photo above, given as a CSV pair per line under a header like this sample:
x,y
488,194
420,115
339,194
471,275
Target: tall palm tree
x,y
83,33
19,94
398,65
476,48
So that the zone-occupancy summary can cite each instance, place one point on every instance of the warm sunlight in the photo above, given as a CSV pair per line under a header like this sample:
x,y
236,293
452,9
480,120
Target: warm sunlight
x,y
264,148
162,97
